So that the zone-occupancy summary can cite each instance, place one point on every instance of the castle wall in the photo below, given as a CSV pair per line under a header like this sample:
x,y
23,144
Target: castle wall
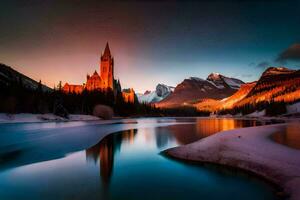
x,y
128,95
72,88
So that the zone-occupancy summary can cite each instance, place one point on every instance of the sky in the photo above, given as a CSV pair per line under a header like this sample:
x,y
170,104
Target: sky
x,y
152,41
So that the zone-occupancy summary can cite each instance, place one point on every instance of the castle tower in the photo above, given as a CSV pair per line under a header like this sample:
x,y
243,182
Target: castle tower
x,y
107,68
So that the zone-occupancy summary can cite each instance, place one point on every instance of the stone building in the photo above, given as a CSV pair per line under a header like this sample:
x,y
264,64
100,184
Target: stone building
x,y
103,81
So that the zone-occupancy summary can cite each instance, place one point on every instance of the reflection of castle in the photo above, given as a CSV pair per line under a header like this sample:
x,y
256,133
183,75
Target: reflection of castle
x,y
103,81
105,151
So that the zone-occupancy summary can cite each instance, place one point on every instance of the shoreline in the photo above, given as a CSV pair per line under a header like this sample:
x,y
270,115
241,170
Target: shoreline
x,y
49,117
190,156
249,149
278,189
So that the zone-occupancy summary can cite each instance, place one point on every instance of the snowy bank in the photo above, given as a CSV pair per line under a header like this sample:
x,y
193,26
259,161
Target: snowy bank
x,y
293,108
250,149
28,117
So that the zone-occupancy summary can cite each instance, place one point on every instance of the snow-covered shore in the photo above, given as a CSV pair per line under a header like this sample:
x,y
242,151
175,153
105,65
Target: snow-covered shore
x,y
28,117
249,149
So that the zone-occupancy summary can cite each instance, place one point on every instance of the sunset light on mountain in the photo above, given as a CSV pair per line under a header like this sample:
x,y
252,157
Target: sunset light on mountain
x,y
150,99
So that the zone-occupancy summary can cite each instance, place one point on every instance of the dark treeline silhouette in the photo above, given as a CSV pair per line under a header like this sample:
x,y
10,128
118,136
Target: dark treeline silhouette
x,y
18,98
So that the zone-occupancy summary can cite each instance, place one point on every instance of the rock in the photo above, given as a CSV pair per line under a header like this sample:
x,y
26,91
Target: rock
x,y
103,111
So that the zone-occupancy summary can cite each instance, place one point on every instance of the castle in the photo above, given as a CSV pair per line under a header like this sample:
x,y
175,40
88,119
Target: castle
x,y
103,81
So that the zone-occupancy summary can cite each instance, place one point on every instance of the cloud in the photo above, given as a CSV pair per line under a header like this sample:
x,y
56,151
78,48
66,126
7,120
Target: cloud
x,y
263,65
291,53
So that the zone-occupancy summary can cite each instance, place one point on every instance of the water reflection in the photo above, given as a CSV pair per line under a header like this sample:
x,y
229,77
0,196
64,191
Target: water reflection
x,y
207,127
289,135
156,140
128,165
105,150
185,134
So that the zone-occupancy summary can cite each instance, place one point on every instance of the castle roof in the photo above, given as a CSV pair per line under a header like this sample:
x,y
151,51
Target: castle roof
x,y
95,73
95,76
106,50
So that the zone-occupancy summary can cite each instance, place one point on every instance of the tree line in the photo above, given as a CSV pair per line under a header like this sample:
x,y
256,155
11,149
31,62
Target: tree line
x,y
16,98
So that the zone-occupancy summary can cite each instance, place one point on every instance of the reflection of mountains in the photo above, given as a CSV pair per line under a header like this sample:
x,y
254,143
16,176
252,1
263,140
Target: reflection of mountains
x,y
289,135
105,150
207,127
188,133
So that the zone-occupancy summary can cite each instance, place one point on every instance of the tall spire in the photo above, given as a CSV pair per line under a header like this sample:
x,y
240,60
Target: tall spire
x,y
106,51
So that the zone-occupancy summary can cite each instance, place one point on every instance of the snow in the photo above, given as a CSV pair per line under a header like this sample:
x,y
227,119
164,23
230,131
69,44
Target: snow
x,y
257,114
233,84
150,97
294,108
28,117
217,86
250,149
277,70
221,81
161,92
214,76
74,117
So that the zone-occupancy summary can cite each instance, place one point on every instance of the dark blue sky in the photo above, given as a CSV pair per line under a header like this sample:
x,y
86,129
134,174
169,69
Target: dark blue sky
x,y
152,41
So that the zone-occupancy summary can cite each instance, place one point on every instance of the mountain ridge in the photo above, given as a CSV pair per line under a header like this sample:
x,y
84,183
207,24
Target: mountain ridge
x,y
276,84
161,92
9,76
190,90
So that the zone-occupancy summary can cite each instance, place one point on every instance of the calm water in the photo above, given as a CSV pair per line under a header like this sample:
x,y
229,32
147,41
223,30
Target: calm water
x,y
289,136
128,165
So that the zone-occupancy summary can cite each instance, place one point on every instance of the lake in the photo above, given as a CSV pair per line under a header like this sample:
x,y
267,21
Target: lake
x,y
289,135
73,161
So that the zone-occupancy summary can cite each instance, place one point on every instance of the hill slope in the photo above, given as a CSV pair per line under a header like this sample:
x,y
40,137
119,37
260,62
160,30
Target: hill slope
x,y
9,76
275,85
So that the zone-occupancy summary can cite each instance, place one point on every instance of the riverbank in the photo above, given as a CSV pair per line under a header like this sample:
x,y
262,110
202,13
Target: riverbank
x,y
250,149
49,117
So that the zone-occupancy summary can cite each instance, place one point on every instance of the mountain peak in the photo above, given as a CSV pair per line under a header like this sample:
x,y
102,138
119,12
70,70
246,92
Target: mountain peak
x,y
221,81
214,76
161,92
277,70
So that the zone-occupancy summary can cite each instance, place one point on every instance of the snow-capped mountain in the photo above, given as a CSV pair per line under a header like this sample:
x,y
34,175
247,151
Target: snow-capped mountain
x,y
277,71
9,76
276,84
161,92
193,89
221,81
